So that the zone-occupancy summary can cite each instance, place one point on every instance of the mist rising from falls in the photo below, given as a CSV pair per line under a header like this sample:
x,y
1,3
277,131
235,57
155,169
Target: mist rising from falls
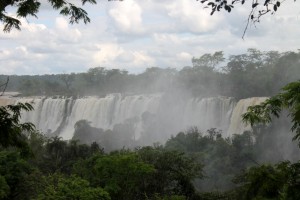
x,y
209,113
153,117
108,111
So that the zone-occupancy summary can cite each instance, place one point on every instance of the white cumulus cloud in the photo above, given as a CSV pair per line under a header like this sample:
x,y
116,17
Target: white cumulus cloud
x,y
127,17
135,34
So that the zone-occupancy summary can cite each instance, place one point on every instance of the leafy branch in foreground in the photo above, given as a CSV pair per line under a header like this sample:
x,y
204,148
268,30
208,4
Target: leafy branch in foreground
x,y
288,99
11,130
27,8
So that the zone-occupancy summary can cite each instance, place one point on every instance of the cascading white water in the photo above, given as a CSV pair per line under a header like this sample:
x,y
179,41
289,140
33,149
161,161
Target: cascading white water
x,y
135,106
34,115
236,124
108,111
52,114
98,111
209,113
59,115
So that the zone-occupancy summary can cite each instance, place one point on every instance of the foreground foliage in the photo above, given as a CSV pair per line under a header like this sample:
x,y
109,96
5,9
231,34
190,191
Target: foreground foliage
x,y
25,8
280,181
173,171
57,186
288,99
11,129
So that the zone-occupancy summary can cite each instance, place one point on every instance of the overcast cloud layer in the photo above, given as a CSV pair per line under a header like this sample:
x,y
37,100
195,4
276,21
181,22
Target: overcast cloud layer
x,y
134,35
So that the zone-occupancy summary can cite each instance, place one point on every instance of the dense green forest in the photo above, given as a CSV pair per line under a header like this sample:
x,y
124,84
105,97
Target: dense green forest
x,y
190,165
254,73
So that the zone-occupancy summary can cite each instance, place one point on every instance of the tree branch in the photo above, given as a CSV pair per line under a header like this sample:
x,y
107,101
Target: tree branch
x,y
5,86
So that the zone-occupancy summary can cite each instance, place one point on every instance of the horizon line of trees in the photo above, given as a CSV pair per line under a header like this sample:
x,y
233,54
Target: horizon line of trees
x,y
254,73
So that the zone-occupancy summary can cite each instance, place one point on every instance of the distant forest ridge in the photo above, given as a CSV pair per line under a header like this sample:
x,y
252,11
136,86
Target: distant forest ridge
x,y
254,73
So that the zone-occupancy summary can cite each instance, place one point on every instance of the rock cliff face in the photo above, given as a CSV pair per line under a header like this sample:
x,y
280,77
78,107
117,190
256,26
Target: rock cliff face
x,y
146,113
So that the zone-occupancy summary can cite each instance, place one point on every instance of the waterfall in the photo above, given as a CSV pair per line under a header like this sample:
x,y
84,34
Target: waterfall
x,y
108,111
59,115
236,124
209,113
47,114
34,115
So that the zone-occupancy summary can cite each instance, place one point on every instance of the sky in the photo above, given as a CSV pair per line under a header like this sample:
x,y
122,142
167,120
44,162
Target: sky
x,y
134,35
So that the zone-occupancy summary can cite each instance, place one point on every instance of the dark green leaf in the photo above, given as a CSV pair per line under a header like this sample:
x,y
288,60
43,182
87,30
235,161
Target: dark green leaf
x,y
266,2
278,3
